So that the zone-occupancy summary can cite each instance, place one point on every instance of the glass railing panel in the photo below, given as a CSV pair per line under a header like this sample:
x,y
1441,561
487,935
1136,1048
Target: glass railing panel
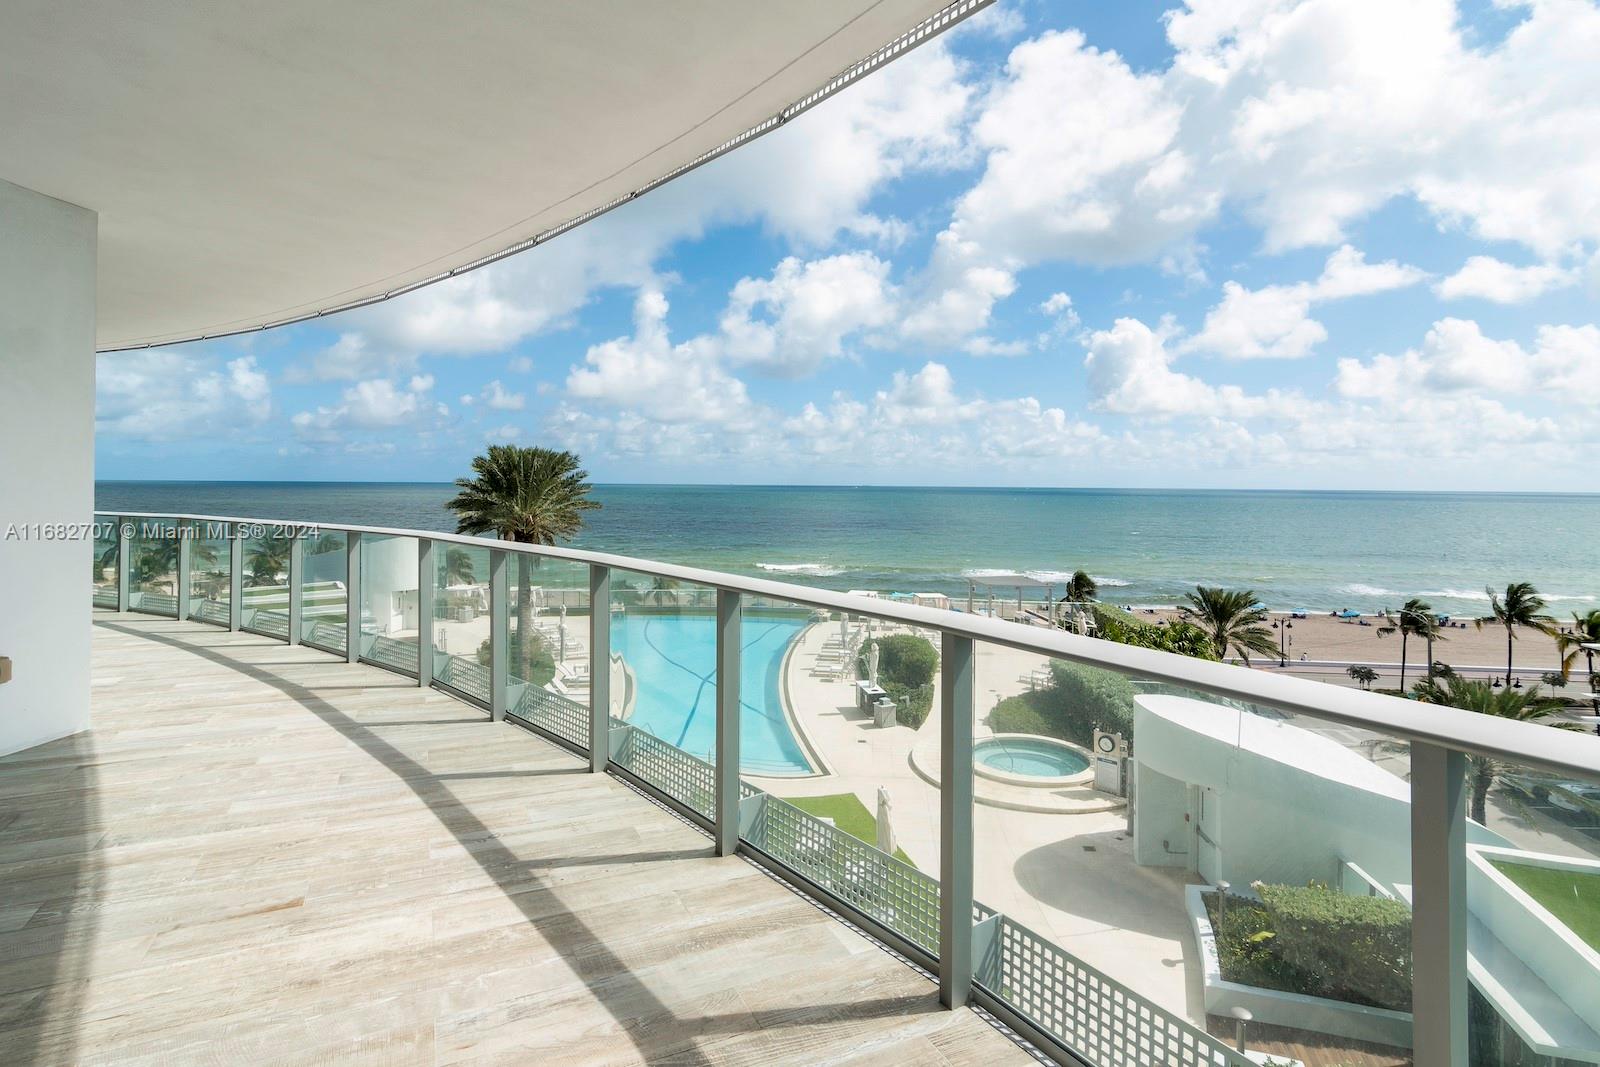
x,y
153,566
1153,860
264,599
210,564
830,790
106,560
549,676
664,685
1533,906
389,602
460,640
324,590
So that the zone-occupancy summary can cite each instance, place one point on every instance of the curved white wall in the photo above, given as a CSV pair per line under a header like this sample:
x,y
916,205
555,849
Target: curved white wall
x,y
47,322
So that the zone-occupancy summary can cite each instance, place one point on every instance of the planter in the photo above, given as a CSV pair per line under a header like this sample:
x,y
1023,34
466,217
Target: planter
x,y
1276,1008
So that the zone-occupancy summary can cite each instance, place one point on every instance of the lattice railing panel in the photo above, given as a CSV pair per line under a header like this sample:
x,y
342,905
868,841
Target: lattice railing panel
x,y
105,598
1094,1015
393,653
270,623
687,779
894,893
158,604
560,715
212,611
466,676
328,636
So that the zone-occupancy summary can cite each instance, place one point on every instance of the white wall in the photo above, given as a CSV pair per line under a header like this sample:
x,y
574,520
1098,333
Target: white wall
x,y
47,314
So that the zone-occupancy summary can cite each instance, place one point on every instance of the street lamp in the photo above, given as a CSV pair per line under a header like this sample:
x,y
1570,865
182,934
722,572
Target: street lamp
x,y
1284,641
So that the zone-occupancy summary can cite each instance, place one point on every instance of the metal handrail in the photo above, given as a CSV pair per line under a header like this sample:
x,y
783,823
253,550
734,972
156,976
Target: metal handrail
x,y
1529,744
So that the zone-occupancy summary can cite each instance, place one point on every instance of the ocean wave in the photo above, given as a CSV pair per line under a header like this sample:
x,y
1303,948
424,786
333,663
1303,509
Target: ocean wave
x,y
1357,589
1043,577
1110,583
1457,594
815,570
988,572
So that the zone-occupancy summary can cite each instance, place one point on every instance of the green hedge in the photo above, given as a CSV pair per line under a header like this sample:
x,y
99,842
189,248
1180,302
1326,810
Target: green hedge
x,y
906,666
543,667
1353,948
1076,701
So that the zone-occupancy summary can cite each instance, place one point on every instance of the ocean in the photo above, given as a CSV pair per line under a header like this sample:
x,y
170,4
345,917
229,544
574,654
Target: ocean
x,y
1318,551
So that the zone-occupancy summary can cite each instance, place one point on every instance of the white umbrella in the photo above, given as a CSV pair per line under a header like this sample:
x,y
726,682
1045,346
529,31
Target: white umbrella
x,y
844,630
885,829
872,664
561,633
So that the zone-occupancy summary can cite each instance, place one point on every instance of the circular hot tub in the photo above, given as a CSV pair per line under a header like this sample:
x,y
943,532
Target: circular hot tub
x,y
1031,760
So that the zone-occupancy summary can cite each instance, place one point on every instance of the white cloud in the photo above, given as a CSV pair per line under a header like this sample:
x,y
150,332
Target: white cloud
x,y
1274,322
1303,117
790,323
1456,358
646,374
520,365
170,393
498,397
1488,278
375,404
1130,373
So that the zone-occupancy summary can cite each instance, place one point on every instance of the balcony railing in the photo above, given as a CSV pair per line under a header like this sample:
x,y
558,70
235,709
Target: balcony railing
x,y
1048,910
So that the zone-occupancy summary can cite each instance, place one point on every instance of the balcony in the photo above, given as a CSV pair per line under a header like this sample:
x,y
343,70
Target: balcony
x,y
400,795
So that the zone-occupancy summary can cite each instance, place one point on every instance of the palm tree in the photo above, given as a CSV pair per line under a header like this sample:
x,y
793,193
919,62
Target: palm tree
x,y
1585,631
1517,705
266,560
531,496
1081,587
458,567
1521,606
1363,674
1232,617
1416,620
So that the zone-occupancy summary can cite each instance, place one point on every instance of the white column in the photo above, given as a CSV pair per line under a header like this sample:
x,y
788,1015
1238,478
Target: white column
x,y
955,820
47,338
599,667
1438,906
729,617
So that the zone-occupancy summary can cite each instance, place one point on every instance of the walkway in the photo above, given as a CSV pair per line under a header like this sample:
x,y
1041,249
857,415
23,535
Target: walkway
x,y
263,855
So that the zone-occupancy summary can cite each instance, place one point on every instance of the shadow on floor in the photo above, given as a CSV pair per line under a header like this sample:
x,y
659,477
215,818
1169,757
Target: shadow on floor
x,y
664,1037
49,852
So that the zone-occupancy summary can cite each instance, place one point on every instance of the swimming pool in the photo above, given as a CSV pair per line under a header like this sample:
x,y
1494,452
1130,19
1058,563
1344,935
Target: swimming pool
x,y
673,659
1030,757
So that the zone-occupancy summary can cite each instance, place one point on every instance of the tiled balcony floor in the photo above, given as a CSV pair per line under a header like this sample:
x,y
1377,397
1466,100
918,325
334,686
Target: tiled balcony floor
x,y
263,855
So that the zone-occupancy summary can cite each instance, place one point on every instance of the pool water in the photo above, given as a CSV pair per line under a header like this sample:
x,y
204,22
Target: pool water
x,y
1035,759
673,659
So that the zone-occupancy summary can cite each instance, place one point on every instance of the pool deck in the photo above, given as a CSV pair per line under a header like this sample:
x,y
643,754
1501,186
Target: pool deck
x,y
1070,877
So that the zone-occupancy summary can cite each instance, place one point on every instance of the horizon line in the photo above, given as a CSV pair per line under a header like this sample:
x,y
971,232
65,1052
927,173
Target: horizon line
x,y
876,485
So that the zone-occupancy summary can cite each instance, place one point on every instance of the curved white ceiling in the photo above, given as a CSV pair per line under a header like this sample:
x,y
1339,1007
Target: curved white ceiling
x,y
254,163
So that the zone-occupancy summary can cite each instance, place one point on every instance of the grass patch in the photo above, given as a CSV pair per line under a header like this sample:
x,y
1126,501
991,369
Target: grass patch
x,y
1573,897
849,815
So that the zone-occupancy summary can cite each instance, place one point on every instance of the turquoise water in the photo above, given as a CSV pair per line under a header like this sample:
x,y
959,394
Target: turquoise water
x,y
1037,759
1312,550
674,662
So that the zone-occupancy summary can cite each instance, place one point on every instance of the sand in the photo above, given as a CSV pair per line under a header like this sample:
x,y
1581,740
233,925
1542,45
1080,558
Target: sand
x,y
1329,644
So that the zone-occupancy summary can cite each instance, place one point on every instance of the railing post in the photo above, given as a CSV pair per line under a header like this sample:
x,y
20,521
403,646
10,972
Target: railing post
x,y
185,564
426,576
124,563
499,633
599,667
729,615
235,579
297,566
955,820
1438,906
352,597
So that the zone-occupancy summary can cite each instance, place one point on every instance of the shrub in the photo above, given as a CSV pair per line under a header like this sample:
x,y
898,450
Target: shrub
x,y
1076,702
1020,715
906,666
543,667
1355,949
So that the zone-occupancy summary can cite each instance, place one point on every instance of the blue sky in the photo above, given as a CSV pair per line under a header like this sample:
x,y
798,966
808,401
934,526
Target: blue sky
x,y
1253,243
